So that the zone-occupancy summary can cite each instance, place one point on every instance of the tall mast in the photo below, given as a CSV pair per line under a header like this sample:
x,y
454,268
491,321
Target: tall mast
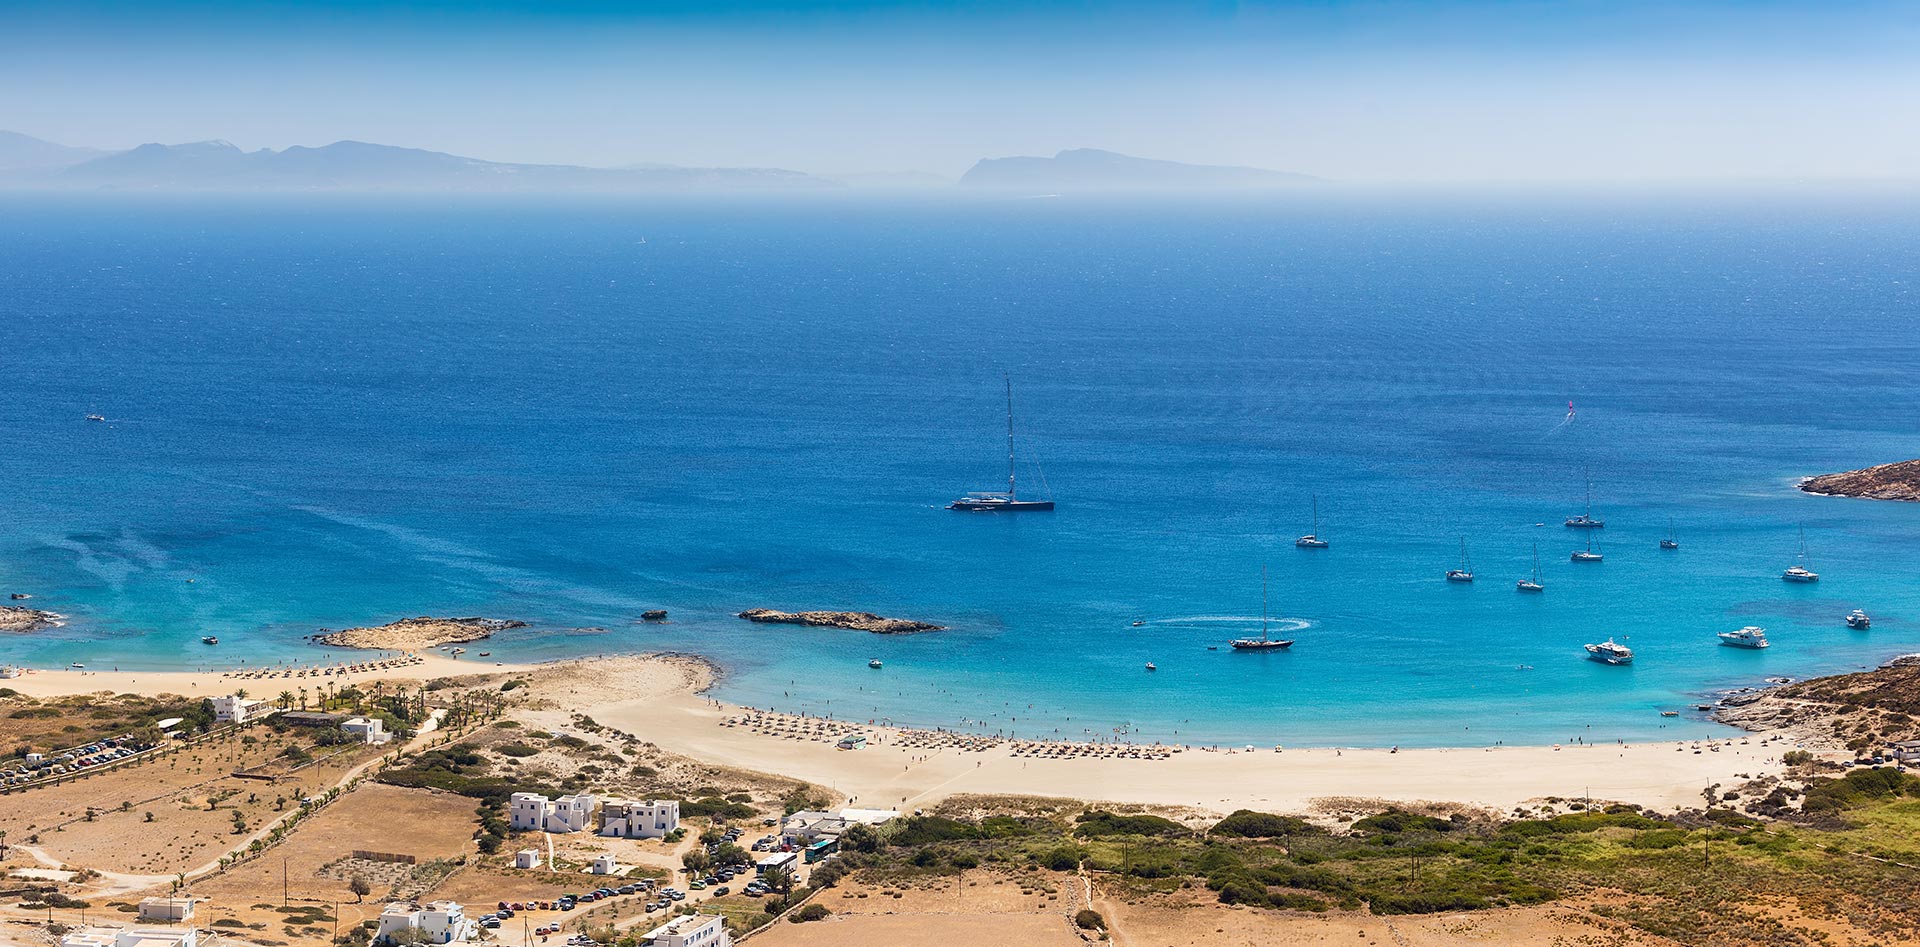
x,y
1010,493
1589,493
1263,601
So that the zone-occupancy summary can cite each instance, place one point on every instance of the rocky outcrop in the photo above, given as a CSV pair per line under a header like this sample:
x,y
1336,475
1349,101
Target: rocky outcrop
x,y
415,634
1835,711
655,614
15,618
1899,481
853,621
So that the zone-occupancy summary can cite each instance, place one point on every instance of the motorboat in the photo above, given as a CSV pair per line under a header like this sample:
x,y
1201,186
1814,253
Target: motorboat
x,y
1610,652
1751,636
1858,620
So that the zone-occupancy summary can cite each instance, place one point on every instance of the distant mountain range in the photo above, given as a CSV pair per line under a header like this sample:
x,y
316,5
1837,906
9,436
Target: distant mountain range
x,y
358,165
351,165
1090,169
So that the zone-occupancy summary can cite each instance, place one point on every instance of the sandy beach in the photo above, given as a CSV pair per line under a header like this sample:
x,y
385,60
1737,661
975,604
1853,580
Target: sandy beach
x,y
263,681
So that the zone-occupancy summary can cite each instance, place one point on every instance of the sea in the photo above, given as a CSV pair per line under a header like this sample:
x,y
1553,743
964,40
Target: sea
x,y
325,411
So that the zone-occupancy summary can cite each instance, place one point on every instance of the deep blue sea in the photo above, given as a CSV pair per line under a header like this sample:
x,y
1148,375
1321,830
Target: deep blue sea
x,y
329,411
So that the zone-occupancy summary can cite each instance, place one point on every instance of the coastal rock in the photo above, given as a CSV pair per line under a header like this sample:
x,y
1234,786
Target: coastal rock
x,y
1828,712
853,621
1900,481
415,634
15,618
656,614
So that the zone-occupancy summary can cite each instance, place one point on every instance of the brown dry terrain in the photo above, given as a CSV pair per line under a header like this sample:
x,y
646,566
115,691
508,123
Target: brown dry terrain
x,y
1857,711
1897,481
980,908
61,723
417,634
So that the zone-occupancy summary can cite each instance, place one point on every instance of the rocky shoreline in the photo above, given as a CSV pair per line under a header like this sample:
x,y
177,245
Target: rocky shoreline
x,y
416,634
1850,711
16,618
1898,481
852,621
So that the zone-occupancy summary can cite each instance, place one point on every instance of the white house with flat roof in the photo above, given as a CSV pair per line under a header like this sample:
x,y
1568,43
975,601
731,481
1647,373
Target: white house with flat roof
x,y
526,858
693,930
368,729
604,865
166,909
533,812
639,818
441,922
232,709
130,937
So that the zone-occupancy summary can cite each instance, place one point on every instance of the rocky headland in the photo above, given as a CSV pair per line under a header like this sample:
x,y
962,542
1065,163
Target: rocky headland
x,y
16,618
853,621
415,634
1854,711
1900,481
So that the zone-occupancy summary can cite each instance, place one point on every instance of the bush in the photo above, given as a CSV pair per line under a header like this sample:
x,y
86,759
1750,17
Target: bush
x,y
518,750
1396,821
1064,858
1096,823
1246,823
1797,758
1089,920
927,829
812,912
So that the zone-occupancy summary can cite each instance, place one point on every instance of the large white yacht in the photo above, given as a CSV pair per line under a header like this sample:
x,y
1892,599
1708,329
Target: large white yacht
x,y
1751,636
1610,652
1859,621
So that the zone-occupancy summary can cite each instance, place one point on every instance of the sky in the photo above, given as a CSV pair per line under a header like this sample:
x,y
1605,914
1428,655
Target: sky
x,y
1378,91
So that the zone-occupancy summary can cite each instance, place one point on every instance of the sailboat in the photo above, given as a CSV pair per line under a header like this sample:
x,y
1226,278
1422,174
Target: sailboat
x,y
1312,540
1533,584
1586,520
1669,542
1587,554
995,502
1465,572
1798,572
1264,642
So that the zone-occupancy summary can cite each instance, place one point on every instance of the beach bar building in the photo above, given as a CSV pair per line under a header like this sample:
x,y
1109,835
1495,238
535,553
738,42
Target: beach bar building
x,y
693,930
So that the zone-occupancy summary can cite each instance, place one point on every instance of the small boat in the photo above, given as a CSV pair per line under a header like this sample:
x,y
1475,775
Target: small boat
x,y
1751,636
1859,621
486,654
95,417
1465,572
995,502
209,639
76,665
19,596
1586,520
1610,652
1669,713
1533,584
1137,623
875,664
1798,572
1312,540
459,651
1264,642
1587,554
1151,667
1669,542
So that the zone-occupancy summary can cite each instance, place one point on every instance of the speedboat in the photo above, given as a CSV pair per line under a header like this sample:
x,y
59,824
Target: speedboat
x,y
1751,636
1138,622
1610,652
1151,667
95,417
1859,621
875,664
209,639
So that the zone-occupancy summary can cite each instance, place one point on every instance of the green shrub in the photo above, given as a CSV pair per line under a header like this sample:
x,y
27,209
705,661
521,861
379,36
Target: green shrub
x,y
812,912
1246,823
1089,920
1097,822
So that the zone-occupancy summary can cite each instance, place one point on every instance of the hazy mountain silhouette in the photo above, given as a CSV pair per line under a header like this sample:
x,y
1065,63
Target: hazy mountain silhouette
x,y
1090,169
362,165
25,153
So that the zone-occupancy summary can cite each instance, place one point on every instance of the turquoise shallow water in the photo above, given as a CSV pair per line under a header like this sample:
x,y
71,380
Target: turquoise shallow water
x,y
329,412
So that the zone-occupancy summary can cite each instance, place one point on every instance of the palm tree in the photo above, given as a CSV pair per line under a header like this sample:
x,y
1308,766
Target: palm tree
x,y
778,879
240,692
285,699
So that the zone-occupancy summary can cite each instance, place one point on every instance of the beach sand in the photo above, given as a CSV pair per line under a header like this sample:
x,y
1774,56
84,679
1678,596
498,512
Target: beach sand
x,y
217,683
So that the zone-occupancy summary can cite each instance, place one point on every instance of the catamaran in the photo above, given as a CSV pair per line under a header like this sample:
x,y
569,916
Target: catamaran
x,y
1798,572
1264,642
996,502
1586,520
1533,584
1587,554
1610,652
1312,540
1465,572
1859,621
1752,636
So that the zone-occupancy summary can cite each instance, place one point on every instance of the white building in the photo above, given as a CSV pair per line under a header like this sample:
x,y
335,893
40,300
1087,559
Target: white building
x,y
789,861
693,930
812,825
443,922
368,729
232,709
134,937
639,818
166,909
533,812
604,865
526,858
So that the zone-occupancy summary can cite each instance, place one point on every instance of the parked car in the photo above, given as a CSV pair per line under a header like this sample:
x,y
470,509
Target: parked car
x,y
721,891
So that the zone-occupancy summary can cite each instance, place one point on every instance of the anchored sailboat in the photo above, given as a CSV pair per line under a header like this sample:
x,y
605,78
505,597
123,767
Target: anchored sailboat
x,y
1585,520
1312,540
1588,554
1533,584
995,502
1798,572
1264,642
1465,572
1669,542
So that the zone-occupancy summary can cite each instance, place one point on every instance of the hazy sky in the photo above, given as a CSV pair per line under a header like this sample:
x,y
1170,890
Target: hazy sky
x,y
1467,91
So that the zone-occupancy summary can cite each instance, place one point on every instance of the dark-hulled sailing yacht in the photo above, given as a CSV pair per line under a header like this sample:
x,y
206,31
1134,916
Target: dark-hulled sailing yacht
x,y
1008,502
1265,642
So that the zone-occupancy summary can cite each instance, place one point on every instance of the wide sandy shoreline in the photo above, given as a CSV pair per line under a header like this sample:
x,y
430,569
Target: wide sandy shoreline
x,y
659,698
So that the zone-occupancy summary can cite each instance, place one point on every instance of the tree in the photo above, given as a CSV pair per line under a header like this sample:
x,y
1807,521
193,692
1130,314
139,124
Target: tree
x,y
779,880
240,692
360,888
285,699
696,861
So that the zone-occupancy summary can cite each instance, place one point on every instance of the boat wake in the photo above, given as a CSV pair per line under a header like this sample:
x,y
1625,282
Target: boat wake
x,y
1277,625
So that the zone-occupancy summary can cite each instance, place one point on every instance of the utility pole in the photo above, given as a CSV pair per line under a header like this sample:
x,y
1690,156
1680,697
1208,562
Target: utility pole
x,y
284,899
